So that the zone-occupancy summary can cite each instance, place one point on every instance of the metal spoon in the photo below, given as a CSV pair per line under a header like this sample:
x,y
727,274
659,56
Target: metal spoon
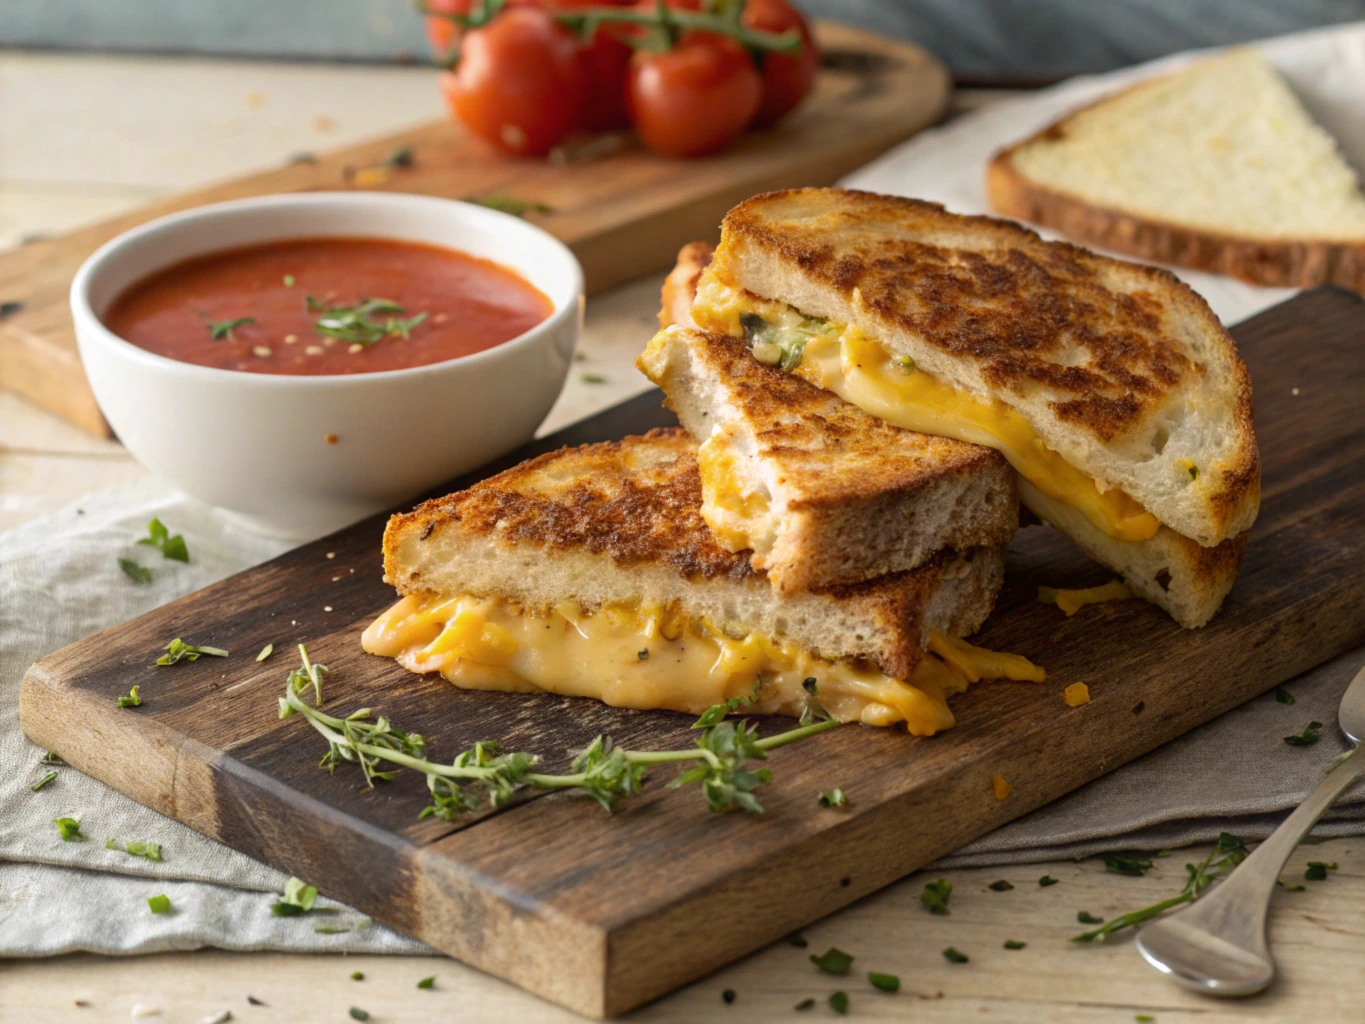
x,y
1217,944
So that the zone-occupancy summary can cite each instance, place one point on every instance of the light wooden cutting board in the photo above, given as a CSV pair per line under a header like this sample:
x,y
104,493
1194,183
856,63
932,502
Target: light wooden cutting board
x,y
602,913
624,213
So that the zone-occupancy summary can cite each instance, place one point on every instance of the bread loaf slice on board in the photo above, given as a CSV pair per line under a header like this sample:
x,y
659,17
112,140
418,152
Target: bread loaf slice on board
x,y
1217,167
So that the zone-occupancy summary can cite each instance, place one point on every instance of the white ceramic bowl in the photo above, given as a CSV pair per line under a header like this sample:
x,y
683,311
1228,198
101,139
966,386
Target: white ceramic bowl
x,y
254,444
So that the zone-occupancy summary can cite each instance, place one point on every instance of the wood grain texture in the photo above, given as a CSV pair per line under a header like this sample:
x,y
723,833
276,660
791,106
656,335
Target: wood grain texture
x,y
624,214
602,913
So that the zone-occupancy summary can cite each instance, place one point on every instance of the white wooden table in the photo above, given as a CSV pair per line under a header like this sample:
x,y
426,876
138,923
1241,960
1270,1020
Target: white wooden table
x,y
84,137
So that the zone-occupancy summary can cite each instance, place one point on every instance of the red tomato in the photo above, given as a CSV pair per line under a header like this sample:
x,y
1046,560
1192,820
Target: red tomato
x,y
694,98
606,67
786,79
519,83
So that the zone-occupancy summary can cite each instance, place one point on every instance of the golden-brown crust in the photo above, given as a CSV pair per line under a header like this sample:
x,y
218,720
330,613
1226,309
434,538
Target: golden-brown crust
x,y
1013,303
680,286
1304,263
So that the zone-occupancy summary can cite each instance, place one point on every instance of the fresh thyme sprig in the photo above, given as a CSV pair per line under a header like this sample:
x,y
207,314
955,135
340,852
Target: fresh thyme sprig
x,y
221,329
602,770
1226,854
359,324
177,650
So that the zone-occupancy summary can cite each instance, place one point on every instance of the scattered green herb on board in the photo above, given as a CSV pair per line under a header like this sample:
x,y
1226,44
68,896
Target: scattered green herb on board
x,y
427,982
222,329
806,1004
798,940
885,982
159,904
357,975
177,650
1226,854
136,848
1047,880
1134,867
1300,887
935,896
593,378
602,770
834,798
832,961
1307,738
358,1014
400,157
266,652
172,547
1014,944
68,828
955,956
43,781
1283,696
1144,1018
50,758
134,571
838,1002
1317,870
728,996
299,898
1085,917
1000,886
504,203
133,700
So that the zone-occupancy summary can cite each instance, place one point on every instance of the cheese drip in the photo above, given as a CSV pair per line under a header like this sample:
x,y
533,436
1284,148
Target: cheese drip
x,y
861,371
649,657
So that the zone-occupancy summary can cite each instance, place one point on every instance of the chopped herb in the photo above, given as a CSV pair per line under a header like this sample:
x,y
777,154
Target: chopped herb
x,y
1134,867
134,571
593,378
256,1002
331,929
885,982
266,652
806,1004
1300,887
298,898
728,996
357,975
905,364
1194,472
289,280
1014,944
178,650
838,1002
1283,696
1047,880
1317,870
43,781
811,685
133,700
1226,854
1085,917
1000,886
832,961
1307,738
504,203
400,157
360,324
50,758
1162,853
358,1014
172,547
159,904
1143,1018
798,940
9,308
834,798
427,982
935,896
955,956
220,329
136,848
68,828
643,654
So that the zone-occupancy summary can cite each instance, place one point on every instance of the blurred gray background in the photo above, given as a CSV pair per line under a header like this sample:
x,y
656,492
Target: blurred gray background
x,y
982,40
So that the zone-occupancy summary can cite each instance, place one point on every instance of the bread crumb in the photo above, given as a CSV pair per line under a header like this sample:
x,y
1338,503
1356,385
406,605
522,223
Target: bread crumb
x,y
331,439
1076,694
327,607
331,554
1294,392
1000,787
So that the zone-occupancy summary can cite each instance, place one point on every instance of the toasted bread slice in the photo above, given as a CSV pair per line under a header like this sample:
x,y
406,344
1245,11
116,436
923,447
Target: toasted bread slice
x,y
680,286
620,523
819,491
1217,167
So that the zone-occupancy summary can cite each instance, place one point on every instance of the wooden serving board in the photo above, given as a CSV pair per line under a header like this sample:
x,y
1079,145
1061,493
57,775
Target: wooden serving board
x,y
624,213
602,913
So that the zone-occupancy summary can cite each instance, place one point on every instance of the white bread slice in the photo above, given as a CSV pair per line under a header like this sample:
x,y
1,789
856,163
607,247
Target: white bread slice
x,y
1216,166
836,495
620,522
1120,368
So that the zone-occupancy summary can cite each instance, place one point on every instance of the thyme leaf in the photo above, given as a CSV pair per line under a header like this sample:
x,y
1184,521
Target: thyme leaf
x,y
1307,738
177,650
222,329
172,547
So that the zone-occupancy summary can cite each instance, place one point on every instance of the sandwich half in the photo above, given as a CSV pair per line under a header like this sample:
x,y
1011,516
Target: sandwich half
x,y
589,572
1111,388
818,491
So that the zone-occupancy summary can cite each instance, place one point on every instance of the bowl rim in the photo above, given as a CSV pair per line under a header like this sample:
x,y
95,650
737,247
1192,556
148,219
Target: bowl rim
x,y
84,316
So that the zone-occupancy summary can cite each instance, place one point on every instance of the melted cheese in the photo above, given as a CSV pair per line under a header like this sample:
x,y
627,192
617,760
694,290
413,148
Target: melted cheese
x,y
860,370
1072,601
647,657
739,518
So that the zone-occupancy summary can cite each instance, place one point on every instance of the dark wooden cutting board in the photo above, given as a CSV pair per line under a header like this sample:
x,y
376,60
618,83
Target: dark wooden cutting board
x,y
602,913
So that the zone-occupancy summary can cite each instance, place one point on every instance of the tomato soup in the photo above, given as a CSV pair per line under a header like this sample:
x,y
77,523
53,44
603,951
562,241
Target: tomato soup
x,y
327,306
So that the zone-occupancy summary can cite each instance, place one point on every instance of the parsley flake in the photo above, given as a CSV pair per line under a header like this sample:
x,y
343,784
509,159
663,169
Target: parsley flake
x,y
221,329
172,547
1085,917
68,828
358,1014
955,956
1000,886
1134,867
833,961
838,1002
159,904
806,1004
298,898
1307,738
133,700
1283,696
357,975
427,982
1317,870
798,940
885,982
134,571
1047,880
935,896
834,798
177,650
1014,944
